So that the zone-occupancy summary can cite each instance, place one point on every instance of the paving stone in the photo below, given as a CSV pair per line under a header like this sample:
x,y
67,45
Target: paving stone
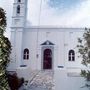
x,y
42,81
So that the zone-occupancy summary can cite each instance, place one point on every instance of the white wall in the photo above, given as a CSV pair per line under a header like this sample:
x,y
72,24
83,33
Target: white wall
x,y
63,41
30,42
65,82
33,42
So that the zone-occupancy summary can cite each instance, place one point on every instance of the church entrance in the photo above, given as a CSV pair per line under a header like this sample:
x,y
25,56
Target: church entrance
x,y
47,59
47,55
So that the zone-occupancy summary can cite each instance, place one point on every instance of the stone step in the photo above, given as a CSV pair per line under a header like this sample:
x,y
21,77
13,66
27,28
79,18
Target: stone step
x,y
43,80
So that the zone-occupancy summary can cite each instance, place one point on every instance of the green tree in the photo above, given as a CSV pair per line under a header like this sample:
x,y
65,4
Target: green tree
x,y
5,50
84,51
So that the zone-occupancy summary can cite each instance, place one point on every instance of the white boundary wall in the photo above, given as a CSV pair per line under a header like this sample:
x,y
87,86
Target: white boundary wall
x,y
65,81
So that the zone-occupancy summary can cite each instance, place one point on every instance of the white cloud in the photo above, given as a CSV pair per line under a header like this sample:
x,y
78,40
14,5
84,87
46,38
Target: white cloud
x,y
33,11
77,17
81,18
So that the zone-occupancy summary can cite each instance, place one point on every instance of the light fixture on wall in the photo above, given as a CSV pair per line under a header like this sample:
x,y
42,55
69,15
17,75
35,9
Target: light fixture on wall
x,y
37,55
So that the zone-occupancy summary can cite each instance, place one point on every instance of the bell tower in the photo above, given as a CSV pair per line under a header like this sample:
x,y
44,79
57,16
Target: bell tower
x,y
17,30
19,13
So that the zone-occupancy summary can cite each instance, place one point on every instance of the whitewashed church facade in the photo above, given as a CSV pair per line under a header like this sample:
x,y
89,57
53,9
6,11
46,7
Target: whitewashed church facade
x,y
45,48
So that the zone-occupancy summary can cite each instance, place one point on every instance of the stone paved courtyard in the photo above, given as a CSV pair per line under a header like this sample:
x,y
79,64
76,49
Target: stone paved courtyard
x,y
42,81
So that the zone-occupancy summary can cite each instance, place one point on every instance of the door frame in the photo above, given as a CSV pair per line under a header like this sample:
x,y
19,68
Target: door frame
x,y
51,47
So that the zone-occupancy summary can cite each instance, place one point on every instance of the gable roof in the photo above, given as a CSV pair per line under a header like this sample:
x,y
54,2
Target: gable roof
x,y
47,43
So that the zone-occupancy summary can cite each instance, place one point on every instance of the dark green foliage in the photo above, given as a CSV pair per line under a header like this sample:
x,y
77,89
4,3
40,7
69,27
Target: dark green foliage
x,y
5,50
84,51
84,47
14,82
86,74
2,18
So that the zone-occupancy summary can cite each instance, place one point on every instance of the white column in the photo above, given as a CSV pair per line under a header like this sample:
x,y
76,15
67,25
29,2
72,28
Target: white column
x,y
18,48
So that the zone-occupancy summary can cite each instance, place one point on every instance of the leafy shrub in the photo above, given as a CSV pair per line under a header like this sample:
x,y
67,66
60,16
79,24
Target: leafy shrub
x,y
14,82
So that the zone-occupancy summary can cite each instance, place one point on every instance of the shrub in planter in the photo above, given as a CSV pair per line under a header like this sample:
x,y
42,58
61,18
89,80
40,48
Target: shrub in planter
x,y
14,82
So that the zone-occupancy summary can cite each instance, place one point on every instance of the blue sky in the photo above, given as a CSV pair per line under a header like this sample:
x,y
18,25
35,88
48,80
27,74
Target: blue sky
x,y
64,4
64,13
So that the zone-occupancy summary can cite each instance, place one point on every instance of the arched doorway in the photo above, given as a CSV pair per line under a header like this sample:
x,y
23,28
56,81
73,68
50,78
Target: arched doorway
x,y
47,59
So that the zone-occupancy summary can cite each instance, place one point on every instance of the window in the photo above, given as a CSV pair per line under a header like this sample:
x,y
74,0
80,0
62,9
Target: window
x,y
26,54
19,0
71,56
18,9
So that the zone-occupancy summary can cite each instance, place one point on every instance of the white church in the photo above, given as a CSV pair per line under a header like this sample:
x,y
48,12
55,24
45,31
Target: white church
x,y
45,48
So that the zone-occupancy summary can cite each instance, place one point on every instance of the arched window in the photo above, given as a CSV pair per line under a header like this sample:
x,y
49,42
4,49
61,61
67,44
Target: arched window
x,y
26,54
19,0
71,56
18,9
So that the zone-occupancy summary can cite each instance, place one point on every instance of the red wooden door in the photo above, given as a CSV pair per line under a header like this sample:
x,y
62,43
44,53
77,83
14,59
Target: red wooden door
x,y
47,59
